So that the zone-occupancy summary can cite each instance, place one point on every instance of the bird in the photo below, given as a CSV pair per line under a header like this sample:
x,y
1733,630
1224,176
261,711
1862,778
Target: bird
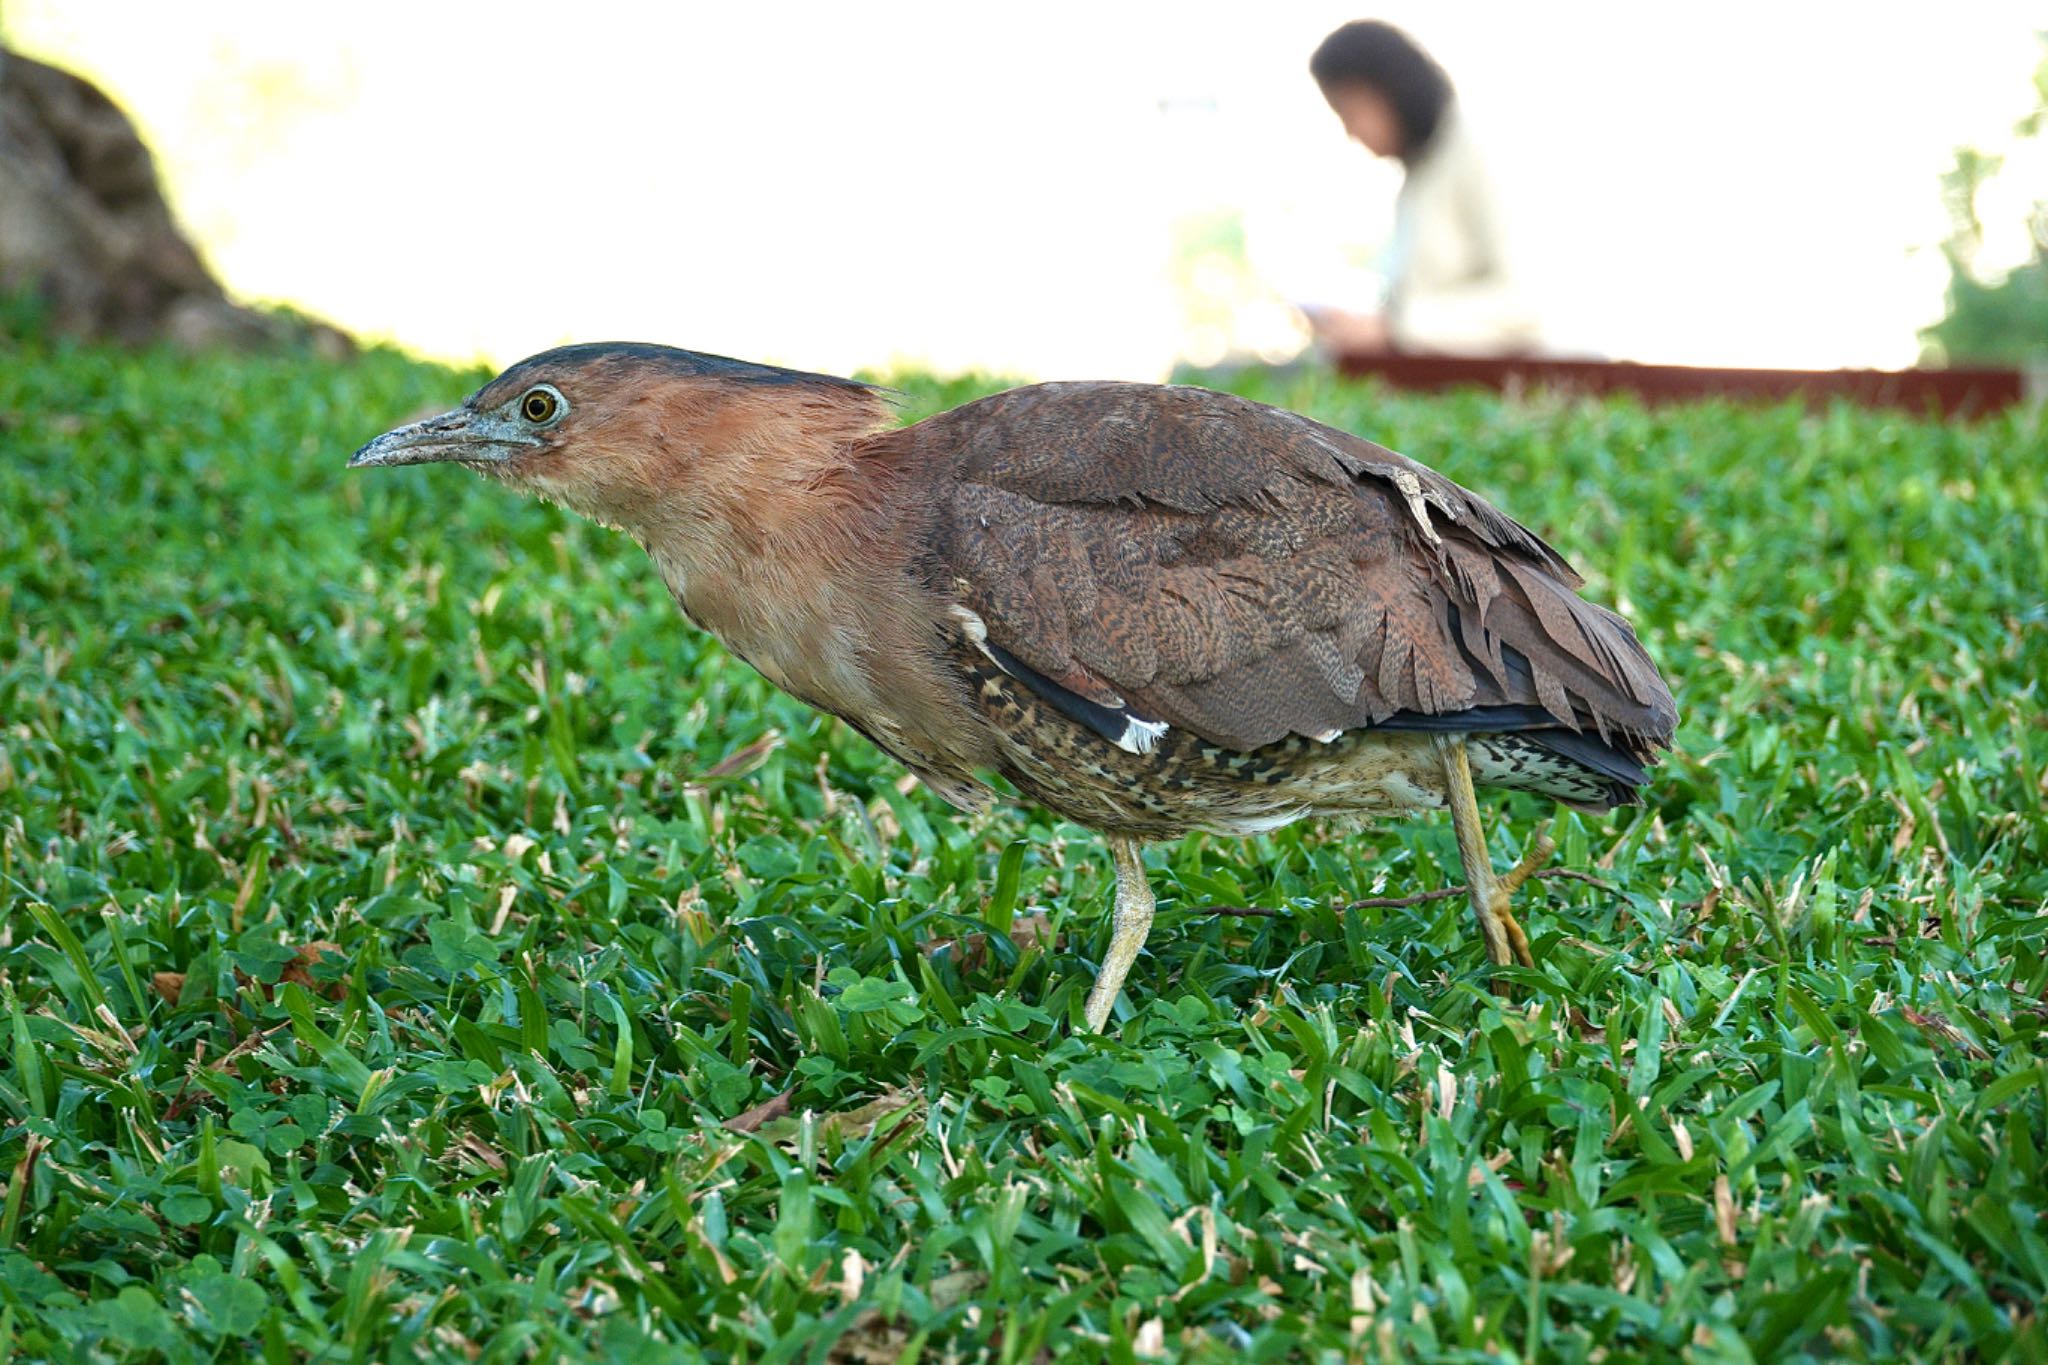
x,y
1153,609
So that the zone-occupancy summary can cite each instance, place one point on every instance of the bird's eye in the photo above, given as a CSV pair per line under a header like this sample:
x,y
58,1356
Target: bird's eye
x,y
540,406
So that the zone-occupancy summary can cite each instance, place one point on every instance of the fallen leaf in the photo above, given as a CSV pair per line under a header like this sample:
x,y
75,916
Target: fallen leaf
x,y
971,950
1032,931
761,1113
300,968
299,971
1937,1027
854,1124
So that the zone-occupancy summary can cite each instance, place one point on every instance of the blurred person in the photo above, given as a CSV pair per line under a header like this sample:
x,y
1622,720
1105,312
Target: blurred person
x,y
1450,287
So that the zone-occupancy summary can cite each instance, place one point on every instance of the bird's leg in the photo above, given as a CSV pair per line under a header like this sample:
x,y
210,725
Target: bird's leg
x,y
1133,920
1505,941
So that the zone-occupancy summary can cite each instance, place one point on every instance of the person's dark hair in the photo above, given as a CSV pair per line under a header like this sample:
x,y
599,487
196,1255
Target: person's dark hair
x,y
1368,52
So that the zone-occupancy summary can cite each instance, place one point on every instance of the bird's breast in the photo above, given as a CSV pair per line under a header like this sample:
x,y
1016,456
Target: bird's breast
x,y
797,634
860,647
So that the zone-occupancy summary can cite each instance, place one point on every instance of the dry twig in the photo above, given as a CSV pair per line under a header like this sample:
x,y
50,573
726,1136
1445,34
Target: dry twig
x,y
1423,897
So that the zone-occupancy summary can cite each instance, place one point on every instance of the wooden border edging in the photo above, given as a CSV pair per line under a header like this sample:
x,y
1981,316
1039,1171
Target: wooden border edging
x,y
1951,393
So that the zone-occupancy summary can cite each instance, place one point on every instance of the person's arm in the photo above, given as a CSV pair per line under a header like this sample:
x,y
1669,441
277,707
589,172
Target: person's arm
x,y
1339,332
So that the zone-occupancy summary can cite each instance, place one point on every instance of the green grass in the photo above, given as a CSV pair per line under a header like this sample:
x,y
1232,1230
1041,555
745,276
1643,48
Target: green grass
x,y
1778,1093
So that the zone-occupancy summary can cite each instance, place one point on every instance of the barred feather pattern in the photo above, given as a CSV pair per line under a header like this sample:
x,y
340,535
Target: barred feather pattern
x,y
1182,783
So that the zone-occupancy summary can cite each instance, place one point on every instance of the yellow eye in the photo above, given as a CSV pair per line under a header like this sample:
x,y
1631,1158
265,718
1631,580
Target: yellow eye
x,y
538,406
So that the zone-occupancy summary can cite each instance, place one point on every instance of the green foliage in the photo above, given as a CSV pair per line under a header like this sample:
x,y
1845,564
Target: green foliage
x,y
1999,322
2003,320
24,313
1776,1091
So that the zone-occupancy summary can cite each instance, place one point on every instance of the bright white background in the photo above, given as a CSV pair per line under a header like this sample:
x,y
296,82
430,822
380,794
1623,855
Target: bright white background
x,y
1014,188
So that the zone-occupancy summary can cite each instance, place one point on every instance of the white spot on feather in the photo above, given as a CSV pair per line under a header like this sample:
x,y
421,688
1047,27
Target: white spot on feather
x,y
1418,498
1265,823
1418,502
1140,736
971,625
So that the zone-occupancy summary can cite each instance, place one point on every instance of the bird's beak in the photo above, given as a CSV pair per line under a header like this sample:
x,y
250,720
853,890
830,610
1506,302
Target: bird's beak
x,y
459,437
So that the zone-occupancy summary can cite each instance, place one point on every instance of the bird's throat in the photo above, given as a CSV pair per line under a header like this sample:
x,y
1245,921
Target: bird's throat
x,y
796,597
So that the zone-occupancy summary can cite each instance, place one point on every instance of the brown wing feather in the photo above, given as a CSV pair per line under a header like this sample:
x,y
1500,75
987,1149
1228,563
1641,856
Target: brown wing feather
x,y
1245,573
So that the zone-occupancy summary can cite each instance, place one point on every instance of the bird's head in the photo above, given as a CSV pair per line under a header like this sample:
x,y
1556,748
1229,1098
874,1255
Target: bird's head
x,y
617,430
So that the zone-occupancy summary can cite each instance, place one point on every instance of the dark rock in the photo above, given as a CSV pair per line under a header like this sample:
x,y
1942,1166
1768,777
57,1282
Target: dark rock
x,y
84,226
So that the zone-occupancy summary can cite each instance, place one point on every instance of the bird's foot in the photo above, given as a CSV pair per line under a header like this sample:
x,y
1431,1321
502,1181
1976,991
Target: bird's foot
x,y
1512,939
1128,928
1540,848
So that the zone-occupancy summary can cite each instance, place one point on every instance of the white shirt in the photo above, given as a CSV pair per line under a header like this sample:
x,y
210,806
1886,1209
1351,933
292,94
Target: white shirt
x,y
1451,285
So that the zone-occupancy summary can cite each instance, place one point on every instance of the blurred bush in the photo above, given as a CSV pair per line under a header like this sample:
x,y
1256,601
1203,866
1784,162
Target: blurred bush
x,y
2003,319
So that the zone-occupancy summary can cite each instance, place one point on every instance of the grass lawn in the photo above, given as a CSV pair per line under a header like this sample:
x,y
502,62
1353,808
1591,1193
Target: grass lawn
x,y
401,902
